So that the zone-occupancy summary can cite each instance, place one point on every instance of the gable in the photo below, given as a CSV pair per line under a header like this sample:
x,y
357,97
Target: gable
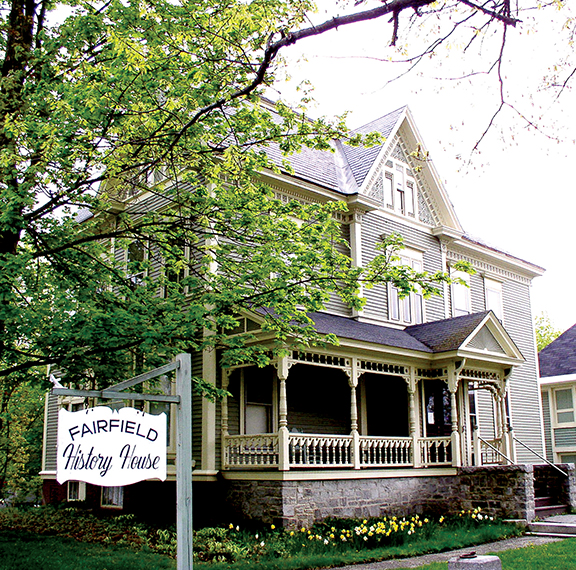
x,y
485,340
490,337
381,186
403,179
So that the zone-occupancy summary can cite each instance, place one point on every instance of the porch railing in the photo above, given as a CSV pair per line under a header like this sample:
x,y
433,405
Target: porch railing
x,y
251,451
334,451
385,452
490,453
435,451
320,450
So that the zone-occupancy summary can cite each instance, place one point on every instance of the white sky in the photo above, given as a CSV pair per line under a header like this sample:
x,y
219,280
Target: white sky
x,y
519,193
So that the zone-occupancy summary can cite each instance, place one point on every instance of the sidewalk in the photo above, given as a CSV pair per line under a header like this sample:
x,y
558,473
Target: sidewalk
x,y
491,547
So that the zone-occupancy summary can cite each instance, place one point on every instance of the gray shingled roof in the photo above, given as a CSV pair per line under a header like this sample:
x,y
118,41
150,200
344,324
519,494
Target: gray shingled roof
x,y
361,159
559,357
433,337
344,327
336,170
448,334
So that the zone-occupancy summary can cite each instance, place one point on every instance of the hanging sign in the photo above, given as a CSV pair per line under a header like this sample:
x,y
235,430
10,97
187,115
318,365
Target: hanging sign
x,y
109,447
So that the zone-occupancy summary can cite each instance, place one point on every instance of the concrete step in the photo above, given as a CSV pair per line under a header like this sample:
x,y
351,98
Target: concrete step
x,y
546,511
555,535
544,501
552,528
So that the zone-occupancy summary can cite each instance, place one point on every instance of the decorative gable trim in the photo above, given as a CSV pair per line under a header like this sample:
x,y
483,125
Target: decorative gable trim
x,y
491,337
484,340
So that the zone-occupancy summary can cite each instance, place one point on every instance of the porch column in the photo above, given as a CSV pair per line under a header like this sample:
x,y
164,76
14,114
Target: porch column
x,y
353,383
452,388
411,383
508,430
507,443
283,434
224,410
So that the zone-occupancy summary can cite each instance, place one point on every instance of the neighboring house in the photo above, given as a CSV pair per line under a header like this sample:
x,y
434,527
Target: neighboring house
x,y
558,387
416,389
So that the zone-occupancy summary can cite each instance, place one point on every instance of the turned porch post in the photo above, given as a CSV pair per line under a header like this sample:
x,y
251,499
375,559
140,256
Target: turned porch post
x,y
455,435
224,408
411,383
283,434
353,376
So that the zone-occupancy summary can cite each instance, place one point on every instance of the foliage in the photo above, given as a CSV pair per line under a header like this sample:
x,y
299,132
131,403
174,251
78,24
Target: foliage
x,y
330,542
157,146
136,222
546,332
21,415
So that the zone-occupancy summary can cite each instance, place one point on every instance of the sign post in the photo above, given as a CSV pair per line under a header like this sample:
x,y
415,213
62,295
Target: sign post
x,y
138,438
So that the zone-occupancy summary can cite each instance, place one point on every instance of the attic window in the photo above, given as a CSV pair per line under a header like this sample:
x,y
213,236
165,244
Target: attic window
x,y
399,191
244,325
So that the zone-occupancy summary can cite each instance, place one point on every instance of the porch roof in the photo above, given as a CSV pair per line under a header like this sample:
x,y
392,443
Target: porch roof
x,y
448,334
344,327
434,337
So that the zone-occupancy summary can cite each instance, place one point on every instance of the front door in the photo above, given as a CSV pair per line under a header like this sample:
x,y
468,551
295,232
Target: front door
x,y
437,415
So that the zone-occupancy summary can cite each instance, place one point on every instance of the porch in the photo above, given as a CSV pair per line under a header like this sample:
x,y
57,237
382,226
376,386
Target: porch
x,y
285,451
317,411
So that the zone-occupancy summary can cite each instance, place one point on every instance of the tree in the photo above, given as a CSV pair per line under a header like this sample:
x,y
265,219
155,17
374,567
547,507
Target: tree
x,y
98,99
546,332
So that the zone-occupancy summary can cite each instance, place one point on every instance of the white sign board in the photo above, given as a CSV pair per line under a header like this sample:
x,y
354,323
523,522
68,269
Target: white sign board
x,y
109,447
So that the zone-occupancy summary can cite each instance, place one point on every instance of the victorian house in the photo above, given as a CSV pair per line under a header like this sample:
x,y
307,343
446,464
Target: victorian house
x,y
418,391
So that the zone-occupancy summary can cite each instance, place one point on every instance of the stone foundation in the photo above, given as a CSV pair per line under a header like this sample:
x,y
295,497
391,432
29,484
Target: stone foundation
x,y
501,491
549,482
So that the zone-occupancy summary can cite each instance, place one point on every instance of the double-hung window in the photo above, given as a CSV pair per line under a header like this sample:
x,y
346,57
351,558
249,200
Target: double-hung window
x,y
135,258
410,309
564,406
493,296
396,190
460,294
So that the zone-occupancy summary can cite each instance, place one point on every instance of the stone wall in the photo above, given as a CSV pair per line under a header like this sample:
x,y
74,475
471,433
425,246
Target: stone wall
x,y
549,482
502,491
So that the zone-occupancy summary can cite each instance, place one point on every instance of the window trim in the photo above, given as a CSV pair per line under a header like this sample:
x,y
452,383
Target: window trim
x,y
397,307
556,411
454,288
117,490
492,285
81,492
399,189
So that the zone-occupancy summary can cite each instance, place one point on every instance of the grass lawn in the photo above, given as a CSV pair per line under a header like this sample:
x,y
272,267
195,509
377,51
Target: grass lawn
x,y
26,551
20,550
552,556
